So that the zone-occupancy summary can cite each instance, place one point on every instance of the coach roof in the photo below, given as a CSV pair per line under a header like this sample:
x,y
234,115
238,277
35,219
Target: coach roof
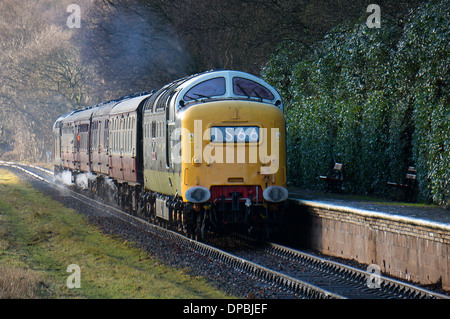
x,y
128,105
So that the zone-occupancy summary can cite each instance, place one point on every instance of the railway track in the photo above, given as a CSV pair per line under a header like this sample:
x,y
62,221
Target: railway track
x,y
300,274
340,279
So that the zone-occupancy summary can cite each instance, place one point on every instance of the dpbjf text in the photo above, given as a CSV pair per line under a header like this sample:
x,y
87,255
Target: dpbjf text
x,y
231,308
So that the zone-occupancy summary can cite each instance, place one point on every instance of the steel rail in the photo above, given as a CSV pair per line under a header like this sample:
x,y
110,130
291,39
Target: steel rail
x,y
386,283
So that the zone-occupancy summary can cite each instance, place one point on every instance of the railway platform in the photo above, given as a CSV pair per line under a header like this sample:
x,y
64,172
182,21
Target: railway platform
x,y
430,213
409,241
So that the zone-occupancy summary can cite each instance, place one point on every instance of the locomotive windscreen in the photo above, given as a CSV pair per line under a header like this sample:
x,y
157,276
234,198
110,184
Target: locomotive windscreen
x,y
250,88
206,89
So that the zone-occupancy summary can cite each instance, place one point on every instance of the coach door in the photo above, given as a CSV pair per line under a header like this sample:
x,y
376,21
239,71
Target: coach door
x,y
76,148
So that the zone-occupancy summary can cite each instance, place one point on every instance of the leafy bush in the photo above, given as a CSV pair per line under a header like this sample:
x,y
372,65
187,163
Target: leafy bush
x,y
424,54
376,100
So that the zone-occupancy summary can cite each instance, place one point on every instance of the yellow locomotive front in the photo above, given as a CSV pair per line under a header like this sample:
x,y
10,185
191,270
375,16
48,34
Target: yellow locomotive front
x,y
233,151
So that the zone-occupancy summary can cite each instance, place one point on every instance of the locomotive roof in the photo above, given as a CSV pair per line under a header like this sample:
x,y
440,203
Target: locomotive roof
x,y
211,86
228,88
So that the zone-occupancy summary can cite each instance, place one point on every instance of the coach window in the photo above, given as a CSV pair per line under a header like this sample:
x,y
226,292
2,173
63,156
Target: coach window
x,y
153,129
131,134
113,135
127,134
117,135
121,138
118,132
105,136
206,89
111,132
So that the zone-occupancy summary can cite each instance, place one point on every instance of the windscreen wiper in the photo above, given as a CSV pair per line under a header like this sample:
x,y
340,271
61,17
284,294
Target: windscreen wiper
x,y
201,95
192,98
242,89
259,96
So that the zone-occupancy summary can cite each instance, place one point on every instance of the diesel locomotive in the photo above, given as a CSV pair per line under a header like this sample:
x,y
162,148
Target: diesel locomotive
x,y
207,151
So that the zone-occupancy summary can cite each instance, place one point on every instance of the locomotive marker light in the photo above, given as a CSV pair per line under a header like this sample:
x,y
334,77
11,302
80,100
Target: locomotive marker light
x,y
198,194
275,194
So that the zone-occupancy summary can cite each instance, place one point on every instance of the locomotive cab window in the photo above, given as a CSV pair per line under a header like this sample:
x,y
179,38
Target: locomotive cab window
x,y
206,89
250,88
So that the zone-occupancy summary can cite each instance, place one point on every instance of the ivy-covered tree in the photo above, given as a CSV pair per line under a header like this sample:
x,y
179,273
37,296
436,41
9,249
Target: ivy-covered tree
x,y
376,100
423,56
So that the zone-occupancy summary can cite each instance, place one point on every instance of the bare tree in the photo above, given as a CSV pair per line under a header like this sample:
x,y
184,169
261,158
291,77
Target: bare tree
x,y
42,76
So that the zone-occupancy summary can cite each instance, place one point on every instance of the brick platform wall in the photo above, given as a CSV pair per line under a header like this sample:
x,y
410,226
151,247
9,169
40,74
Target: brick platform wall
x,y
402,247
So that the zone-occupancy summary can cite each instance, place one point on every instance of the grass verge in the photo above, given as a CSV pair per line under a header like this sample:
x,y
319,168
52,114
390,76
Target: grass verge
x,y
40,238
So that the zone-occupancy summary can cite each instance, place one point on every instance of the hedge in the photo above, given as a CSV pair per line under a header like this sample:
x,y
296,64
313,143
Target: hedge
x,y
376,100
